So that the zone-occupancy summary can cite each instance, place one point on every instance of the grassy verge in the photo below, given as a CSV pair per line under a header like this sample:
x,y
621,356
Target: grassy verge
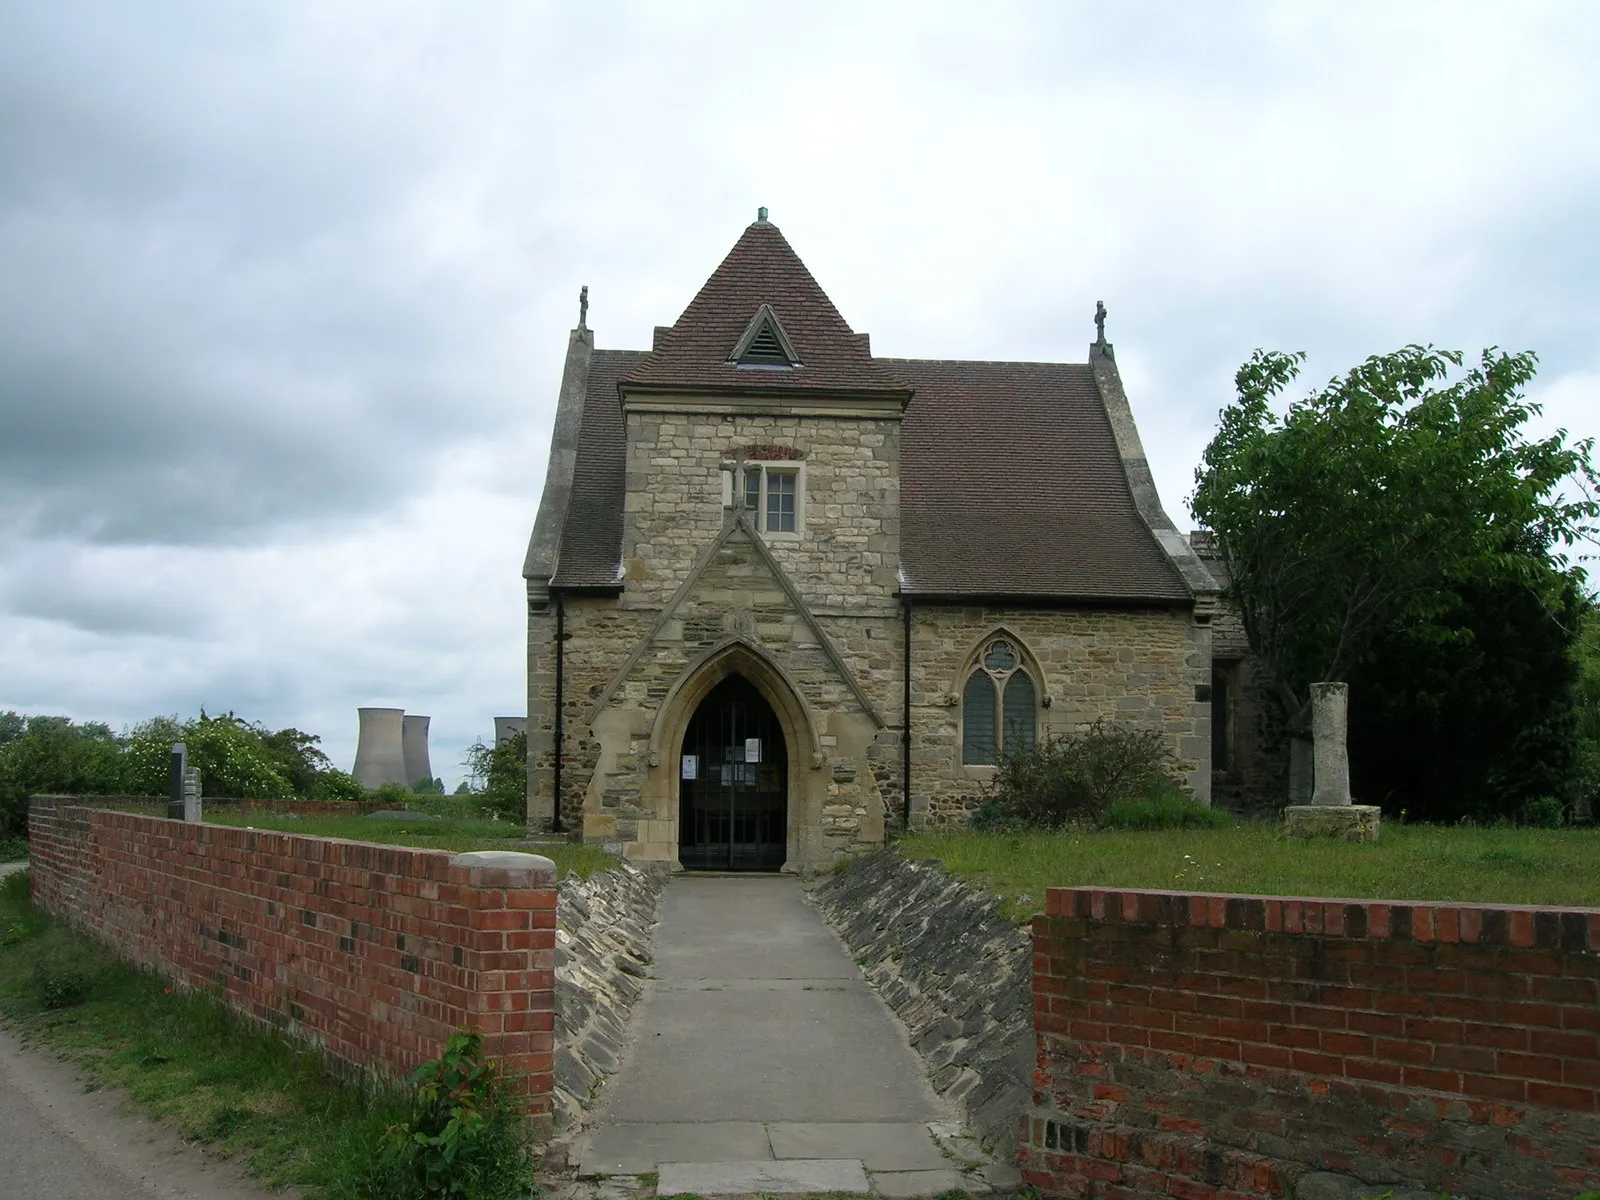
x,y
451,833
216,1079
1409,862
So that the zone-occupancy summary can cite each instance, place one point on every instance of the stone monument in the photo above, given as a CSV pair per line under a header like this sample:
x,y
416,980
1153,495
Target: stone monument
x,y
380,758
1331,813
183,803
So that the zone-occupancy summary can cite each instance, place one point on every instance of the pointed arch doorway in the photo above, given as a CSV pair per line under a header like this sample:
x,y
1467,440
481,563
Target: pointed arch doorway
x,y
733,790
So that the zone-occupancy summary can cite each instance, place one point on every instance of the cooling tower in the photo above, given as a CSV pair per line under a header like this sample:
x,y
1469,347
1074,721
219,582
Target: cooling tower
x,y
507,727
379,755
414,749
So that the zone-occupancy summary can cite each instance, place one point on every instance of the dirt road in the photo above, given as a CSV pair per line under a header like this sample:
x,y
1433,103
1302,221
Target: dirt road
x,y
58,1142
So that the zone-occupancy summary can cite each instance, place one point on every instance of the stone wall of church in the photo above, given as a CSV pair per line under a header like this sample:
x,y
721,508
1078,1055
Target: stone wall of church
x,y
848,553
1138,666
1255,776
621,749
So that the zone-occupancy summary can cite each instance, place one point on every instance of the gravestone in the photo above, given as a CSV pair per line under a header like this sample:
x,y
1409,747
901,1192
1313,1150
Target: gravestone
x,y
176,779
191,794
1331,812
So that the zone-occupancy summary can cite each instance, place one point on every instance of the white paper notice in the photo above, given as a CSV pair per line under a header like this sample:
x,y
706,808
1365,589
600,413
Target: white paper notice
x,y
691,766
752,750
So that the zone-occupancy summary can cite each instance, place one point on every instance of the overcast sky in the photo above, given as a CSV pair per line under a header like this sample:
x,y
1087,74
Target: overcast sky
x,y
285,287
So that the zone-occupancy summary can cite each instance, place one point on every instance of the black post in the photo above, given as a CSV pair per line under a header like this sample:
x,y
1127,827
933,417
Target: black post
x,y
180,760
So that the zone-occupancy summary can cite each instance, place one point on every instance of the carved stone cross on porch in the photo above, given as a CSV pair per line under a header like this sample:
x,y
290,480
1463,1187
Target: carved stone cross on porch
x,y
735,467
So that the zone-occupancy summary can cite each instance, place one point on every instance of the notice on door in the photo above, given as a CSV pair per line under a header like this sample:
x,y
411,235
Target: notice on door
x,y
691,766
752,750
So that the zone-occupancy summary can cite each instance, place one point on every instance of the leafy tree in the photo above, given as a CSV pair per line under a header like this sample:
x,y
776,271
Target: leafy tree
x,y
12,726
1368,505
295,755
501,772
44,754
1586,703
1478,724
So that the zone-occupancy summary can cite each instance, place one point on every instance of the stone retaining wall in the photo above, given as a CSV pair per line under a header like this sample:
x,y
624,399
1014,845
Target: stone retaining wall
x,y
956,972
605,926
1222,1047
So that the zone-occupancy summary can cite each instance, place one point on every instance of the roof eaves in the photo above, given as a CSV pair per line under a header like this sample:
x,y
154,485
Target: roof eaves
x,y
1030,599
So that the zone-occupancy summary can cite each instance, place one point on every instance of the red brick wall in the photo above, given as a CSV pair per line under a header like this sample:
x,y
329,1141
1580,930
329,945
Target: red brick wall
x,y
374,953
1220,1047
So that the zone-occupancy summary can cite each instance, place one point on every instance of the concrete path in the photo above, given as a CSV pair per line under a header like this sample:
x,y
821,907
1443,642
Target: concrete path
x,y
762,1062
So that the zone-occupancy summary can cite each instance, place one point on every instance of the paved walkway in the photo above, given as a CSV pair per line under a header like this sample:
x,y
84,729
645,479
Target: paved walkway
x,y
762,1062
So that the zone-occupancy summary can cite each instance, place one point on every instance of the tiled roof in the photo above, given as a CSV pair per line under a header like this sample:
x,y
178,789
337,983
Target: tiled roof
x,y
1011,484
762,269
591,542
1011,480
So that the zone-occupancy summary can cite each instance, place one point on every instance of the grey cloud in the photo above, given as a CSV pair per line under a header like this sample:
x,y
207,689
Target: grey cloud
x,y
211,321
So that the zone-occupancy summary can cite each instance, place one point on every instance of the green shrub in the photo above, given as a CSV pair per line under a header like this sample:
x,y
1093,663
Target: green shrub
x,y
42,755
1077,777
1165,810
465,1137
336,787
231,753
1544,812
428,787
16,888
64,970
13,849
390,793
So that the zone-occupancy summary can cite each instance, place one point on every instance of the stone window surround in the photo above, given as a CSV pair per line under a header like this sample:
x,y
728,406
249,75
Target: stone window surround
x,y
1025,662
787,466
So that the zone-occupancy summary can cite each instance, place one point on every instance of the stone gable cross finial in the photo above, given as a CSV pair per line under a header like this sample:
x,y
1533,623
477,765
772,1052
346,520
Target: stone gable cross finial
x,y
1100,322
583,307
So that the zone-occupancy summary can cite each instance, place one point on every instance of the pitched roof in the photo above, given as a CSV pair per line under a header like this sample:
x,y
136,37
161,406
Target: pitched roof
x,y
1011,484
591,541
761,268
1012,481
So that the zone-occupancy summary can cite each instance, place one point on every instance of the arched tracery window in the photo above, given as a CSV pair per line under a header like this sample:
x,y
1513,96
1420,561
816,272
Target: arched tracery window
x,y
998,707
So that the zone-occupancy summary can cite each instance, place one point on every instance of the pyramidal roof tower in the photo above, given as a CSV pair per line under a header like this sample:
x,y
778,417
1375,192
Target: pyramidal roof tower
x,y
762,324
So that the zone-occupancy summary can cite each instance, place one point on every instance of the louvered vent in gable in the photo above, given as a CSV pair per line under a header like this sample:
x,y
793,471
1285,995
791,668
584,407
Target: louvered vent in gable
x,y
765,344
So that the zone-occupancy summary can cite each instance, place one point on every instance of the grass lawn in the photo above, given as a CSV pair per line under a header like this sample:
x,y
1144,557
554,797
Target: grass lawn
x,y
453,833
183,1057
1409,862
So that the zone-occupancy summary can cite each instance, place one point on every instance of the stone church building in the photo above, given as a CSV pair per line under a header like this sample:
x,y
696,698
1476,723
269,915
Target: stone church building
x,y
785,595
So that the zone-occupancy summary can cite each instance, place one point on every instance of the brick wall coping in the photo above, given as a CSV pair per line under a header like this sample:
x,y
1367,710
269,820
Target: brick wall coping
x,y
442,866
1518,925
237,804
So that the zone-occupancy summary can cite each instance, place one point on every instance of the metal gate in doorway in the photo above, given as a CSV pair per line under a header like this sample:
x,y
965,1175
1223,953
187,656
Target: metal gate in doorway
x,y
733,783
